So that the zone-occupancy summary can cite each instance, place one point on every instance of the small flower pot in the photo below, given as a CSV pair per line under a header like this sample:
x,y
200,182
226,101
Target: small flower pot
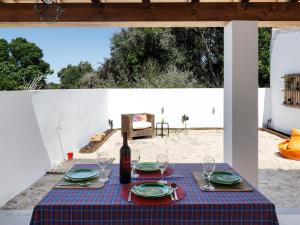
x,y
70,155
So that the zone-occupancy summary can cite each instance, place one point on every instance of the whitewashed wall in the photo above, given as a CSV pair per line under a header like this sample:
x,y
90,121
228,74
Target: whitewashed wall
x,y
204,106
69,116
285,59
29,141
23,156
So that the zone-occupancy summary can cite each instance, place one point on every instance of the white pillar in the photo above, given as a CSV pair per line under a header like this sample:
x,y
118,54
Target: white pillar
x,y
241,98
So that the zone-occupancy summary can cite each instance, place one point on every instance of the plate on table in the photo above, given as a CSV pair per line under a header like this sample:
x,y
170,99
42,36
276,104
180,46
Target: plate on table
x,y
225,178
81,174
147,166
151,190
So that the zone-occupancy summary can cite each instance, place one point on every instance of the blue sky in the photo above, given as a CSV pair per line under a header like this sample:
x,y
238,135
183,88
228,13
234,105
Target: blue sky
x,y
63,46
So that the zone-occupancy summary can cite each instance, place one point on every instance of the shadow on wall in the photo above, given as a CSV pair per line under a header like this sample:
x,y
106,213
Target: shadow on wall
x,y
68,118
267,117
21,147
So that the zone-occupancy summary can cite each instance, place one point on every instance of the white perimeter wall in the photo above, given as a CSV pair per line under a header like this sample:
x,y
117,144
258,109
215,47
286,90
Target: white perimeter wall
x,y
23,156
69,116
285,59
29,142
204,106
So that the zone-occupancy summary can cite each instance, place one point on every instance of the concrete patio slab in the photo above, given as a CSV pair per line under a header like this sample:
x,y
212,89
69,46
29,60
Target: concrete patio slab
x,y
15,217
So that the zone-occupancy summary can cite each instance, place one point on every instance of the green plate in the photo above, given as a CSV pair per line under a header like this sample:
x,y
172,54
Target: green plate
x,y
81,174
225,178
152,190
147,166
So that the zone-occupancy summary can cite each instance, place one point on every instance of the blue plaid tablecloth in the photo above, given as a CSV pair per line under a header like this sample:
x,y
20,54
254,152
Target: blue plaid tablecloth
x,y
106,206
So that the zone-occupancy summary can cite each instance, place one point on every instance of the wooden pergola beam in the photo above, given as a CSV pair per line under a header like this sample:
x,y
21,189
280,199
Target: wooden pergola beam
x,y
159,12
96,3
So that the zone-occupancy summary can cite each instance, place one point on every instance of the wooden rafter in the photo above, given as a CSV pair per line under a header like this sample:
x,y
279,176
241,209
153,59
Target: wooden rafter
x,y
137,12
96,3
245,3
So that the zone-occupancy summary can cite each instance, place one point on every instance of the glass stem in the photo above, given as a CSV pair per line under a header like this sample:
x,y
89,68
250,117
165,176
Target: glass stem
x,y
102,173
208,180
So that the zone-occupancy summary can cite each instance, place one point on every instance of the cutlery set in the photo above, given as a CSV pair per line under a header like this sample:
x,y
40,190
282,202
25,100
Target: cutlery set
x,y
69,184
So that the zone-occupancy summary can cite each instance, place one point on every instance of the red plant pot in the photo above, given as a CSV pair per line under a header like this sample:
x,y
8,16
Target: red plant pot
x,y
70,155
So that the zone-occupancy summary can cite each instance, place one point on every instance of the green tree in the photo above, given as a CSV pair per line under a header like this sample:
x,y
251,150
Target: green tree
x,y
196,52
9,79
264,39
131,48
22,65
71,75
4,50
94,80
170,77
52,85
202,54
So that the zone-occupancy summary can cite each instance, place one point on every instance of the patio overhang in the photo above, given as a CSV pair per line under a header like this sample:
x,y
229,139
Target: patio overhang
x,y
155,13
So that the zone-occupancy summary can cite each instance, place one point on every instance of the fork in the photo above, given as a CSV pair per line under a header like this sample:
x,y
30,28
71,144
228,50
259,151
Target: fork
x,y
80,184
171,195
129,196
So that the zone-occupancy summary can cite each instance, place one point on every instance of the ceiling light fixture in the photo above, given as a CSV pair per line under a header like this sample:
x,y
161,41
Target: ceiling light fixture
x,y
48,10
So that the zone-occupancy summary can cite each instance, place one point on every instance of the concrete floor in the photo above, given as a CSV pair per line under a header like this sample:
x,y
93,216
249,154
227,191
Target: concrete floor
x,y
15,217
22,217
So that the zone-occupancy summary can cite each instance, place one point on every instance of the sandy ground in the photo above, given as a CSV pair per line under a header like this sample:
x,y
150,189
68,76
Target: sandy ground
x,y
278,177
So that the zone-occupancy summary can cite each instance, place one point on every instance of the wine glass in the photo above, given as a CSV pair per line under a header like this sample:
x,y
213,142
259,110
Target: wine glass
x,y
209,166
103,161
135,158
163,161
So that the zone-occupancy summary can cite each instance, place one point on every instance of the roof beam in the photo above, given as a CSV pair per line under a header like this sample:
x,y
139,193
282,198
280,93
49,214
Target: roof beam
x,y
96,3
160,12
245,3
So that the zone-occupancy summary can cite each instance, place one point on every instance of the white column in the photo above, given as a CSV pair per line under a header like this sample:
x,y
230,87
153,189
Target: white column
x,y
241,98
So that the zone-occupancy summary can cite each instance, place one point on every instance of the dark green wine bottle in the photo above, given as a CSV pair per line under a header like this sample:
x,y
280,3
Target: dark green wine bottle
x,y
125,161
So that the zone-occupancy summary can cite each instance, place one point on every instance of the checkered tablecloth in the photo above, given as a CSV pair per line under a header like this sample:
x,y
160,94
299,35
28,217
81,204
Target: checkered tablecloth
x,y
106,206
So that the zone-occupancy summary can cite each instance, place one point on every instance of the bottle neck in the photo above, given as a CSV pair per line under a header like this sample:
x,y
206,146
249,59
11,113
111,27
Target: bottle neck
x,y
125,143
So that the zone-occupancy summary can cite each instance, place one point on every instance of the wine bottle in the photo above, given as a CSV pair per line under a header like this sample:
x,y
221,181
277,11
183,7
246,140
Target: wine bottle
x,y
125,161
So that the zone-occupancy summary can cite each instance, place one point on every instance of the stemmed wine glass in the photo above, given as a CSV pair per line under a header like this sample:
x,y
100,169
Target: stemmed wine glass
x,y
135,158
163,161
209,166
103,162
